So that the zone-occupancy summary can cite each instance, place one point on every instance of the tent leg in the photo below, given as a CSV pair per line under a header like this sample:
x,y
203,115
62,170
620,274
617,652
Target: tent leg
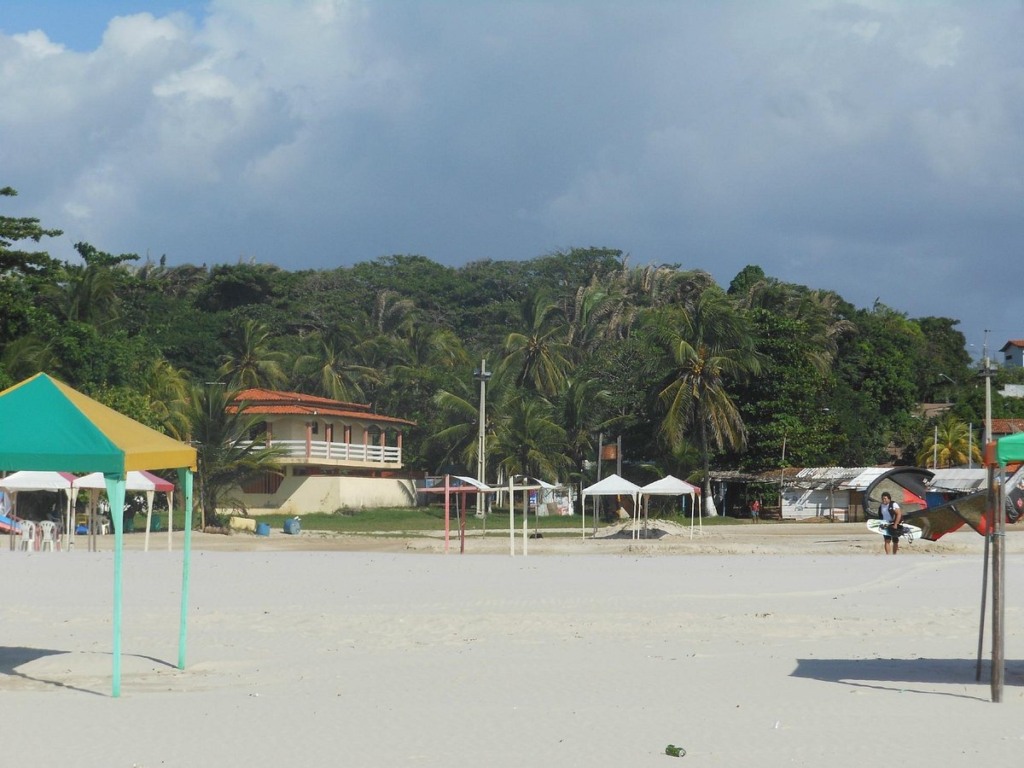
x,y
186,478
115,492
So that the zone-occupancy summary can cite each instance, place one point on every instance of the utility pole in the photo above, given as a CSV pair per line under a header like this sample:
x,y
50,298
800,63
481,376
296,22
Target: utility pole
x,y
481,375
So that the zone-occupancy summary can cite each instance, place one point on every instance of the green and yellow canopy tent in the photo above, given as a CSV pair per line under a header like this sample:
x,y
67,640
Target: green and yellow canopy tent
x,y
47,425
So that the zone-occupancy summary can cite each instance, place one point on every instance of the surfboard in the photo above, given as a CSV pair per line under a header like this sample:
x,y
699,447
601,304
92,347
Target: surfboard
x,y
909,533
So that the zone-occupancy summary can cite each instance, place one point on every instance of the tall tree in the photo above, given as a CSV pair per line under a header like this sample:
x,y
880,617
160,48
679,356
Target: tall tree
x,y
529,439
537,355
222,430
24,274
331,372
949,445
16,229
710,348
250,360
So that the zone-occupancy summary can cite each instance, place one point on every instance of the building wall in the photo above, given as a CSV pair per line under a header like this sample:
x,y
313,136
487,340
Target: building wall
x,y
799,504
1013,356
295,429
318,493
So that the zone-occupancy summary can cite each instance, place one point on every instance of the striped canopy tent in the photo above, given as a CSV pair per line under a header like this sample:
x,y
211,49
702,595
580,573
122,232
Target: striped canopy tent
x,y
49,426
135,480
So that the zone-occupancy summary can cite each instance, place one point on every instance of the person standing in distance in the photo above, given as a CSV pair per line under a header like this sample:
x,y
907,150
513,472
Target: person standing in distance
x,y
892,519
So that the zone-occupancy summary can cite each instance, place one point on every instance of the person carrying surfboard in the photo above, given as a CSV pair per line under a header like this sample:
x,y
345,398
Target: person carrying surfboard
x,y
892,520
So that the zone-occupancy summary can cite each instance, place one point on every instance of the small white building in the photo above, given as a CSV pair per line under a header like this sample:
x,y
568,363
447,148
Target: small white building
x,y
822,492
1013,353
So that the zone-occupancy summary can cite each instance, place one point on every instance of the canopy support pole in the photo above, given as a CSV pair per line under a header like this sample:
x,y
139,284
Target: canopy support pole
x,y
185,478
115,493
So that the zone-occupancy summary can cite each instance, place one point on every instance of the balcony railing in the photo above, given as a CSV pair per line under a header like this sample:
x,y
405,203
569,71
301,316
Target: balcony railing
x,y
321,450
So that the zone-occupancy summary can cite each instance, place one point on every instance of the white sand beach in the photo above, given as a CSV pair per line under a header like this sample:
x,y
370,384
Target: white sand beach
x,y
771,645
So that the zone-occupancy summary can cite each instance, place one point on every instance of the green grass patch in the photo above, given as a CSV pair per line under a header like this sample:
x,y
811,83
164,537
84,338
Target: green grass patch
x,y
401,519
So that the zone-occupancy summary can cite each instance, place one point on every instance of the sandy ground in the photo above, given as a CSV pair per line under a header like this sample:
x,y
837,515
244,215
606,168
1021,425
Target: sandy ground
x,y
770,645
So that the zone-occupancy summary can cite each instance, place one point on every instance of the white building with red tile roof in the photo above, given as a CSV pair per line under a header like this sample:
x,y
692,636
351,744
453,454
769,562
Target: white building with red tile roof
x,y
337,455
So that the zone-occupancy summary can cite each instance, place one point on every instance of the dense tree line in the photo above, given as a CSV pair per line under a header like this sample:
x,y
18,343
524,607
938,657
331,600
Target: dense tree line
x,y
691,375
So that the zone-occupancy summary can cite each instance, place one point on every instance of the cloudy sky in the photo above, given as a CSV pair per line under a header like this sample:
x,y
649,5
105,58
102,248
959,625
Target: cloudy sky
x,y
867,146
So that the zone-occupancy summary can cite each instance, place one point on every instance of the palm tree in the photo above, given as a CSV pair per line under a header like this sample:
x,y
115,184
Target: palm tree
x,y
537,356
249,360
458,407
581,416
222,431
528,439
949,445
27,356
708,347
91,297
817,311
167,389
331,372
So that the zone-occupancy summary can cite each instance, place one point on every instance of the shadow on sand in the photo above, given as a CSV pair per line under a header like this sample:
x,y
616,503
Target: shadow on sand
x,y
904,674
14,657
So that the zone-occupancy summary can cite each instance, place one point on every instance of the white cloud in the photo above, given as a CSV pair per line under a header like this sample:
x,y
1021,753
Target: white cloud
x,y
37,45
822,140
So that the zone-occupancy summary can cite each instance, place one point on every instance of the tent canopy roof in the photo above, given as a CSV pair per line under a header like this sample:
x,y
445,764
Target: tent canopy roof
x,y
41,413
31,480
613,485
140,480
669,486
466,485
1010,448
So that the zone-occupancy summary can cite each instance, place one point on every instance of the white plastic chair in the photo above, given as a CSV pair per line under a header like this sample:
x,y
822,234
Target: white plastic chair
x,y
100,525
28,535
47,535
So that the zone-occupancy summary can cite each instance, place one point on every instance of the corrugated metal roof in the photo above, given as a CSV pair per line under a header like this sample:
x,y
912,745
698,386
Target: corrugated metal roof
x,y
959,479
861,481
823,478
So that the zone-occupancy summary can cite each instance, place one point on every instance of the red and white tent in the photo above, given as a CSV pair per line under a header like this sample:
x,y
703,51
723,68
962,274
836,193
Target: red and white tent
x,y
140,480
32,480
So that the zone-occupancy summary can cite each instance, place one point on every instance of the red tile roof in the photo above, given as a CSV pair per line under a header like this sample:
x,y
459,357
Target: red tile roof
x,y
1007,426
1012,343
270,402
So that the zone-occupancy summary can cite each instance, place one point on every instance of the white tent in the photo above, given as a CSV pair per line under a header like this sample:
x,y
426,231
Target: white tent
x,y
613,485
136,481
30,480
673,486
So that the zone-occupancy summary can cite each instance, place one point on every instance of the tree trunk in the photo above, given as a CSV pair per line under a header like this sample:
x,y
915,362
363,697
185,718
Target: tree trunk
x,y
708,500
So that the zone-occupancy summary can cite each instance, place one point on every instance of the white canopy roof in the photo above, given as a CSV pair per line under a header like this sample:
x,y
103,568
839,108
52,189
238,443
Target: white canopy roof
x,y
37,481
669,486
613,485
